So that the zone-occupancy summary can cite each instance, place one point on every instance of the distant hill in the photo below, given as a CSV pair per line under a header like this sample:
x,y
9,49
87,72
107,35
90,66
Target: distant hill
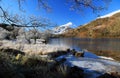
x,y
104,26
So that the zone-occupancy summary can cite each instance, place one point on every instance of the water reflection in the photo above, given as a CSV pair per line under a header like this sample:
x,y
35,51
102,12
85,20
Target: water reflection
x,y
87,43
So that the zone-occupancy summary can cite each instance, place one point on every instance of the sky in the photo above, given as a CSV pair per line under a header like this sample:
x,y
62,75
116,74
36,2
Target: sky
x,y
60,13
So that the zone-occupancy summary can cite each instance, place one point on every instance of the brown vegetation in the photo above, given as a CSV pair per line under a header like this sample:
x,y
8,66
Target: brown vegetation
x,y
100,28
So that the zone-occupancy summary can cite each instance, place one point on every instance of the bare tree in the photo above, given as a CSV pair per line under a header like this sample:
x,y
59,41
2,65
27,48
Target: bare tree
x,y
23,36
4,34
35,34
12,21
29,36
94,5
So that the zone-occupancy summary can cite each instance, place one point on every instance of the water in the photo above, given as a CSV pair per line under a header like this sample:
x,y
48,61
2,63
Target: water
x,y
104,44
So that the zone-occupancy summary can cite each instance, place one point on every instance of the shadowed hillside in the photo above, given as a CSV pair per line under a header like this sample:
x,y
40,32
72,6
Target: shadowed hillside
x,y
108,27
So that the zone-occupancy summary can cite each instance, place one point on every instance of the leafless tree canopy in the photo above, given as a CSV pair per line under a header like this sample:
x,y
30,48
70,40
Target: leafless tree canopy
x,y
77,5
94,5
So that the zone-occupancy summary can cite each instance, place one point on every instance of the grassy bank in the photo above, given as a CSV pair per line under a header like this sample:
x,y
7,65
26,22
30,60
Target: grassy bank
x,y
26,66
20,65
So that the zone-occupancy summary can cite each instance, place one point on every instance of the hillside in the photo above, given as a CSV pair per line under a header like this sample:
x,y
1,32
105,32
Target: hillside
x,y
100,28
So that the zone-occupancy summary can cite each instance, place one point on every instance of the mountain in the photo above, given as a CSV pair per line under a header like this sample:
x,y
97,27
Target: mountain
x,y
62,29
107,26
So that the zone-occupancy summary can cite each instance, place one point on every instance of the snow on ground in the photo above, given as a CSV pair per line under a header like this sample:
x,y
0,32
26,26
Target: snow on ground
x,y
107,58
93,66
91,55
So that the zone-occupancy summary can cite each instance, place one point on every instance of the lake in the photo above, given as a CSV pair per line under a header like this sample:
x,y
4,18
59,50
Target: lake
x,y
104,44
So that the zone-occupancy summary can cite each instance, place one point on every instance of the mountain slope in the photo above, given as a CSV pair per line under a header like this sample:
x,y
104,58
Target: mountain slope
x,y
107,26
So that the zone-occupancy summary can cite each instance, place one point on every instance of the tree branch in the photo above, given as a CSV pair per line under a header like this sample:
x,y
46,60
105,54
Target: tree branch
x,y
6,27
5,15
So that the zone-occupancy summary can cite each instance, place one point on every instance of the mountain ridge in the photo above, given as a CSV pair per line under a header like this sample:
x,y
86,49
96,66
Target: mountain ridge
x,y
110,14
108,27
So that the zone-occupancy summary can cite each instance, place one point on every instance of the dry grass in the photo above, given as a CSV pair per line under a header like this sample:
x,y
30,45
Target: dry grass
x,y
34,67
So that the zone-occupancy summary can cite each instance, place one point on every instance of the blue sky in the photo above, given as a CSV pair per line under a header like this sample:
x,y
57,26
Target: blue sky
x,y
60,13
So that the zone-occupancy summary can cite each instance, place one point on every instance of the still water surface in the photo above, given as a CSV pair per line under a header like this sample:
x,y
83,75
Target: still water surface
x,y
104,44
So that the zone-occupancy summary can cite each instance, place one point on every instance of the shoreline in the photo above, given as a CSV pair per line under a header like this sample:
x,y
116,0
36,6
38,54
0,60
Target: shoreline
x,y
112,54
87,63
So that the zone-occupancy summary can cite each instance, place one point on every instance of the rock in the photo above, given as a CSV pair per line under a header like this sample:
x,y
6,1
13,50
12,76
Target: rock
x,y
18,56
73,51
79,54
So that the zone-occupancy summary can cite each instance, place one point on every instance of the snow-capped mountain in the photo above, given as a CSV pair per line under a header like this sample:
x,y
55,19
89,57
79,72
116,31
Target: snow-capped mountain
x,y
63,28
110,14
101,27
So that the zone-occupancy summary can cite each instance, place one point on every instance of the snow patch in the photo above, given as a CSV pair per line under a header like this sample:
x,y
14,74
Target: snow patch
x,y
92,67
107,58
110,14
63,28
92,64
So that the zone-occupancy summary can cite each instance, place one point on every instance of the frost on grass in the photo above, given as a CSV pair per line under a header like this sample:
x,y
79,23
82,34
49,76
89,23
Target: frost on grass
x,y
32,48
